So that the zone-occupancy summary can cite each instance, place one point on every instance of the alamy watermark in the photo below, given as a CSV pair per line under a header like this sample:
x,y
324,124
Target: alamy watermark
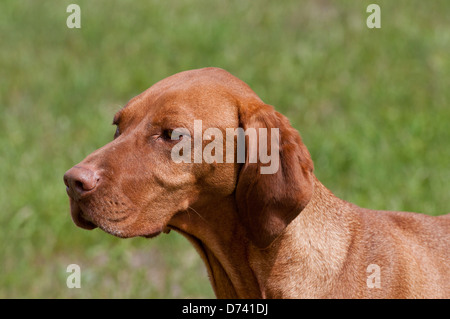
x,y
374,19
74,279
258,146
74,19
374,279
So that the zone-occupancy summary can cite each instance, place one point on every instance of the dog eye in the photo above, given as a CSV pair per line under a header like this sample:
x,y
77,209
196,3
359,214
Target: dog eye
x,y
173,135
167,134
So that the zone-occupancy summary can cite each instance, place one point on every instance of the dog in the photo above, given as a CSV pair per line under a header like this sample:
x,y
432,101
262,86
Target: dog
x,y
276,235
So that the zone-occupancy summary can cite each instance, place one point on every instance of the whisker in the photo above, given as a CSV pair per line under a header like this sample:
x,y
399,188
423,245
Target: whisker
x,y
189,207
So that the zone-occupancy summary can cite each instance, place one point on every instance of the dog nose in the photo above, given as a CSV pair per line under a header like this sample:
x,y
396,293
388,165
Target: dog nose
x,y
80,180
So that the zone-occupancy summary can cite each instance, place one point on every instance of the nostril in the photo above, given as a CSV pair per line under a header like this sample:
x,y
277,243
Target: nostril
x,y
80,179
79,185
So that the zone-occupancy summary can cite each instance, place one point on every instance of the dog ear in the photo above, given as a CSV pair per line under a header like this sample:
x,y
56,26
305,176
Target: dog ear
x,y
267,203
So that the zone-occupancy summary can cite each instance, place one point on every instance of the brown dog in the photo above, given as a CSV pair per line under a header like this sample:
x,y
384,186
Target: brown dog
x,y
279,235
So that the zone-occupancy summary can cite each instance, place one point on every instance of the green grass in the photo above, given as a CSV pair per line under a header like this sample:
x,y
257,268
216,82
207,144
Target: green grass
x,y
371,105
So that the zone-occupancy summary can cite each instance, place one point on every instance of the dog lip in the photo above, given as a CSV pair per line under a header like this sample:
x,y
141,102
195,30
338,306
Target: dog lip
x,y
151,235
78,218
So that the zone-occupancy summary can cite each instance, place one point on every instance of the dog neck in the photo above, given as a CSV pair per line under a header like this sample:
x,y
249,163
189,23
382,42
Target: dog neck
x,y
221,242
309,255
313,246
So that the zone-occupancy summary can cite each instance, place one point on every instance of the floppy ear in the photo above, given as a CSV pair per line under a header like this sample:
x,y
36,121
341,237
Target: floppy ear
x,y
267,203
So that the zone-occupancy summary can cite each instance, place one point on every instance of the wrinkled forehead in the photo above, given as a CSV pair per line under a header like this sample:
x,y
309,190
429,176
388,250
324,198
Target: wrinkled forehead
x,y
212,97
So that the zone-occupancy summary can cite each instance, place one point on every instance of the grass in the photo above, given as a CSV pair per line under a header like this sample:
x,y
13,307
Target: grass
x,y
371,105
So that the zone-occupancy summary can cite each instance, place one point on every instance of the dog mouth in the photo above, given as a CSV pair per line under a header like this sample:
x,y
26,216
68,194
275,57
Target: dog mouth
x,y
81,217
152,235
78,217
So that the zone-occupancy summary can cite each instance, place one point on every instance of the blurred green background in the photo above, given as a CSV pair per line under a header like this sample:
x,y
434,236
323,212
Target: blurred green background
x,y
372,105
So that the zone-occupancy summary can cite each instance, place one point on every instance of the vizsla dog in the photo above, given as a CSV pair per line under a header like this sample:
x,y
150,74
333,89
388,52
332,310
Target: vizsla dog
x,y
279,235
